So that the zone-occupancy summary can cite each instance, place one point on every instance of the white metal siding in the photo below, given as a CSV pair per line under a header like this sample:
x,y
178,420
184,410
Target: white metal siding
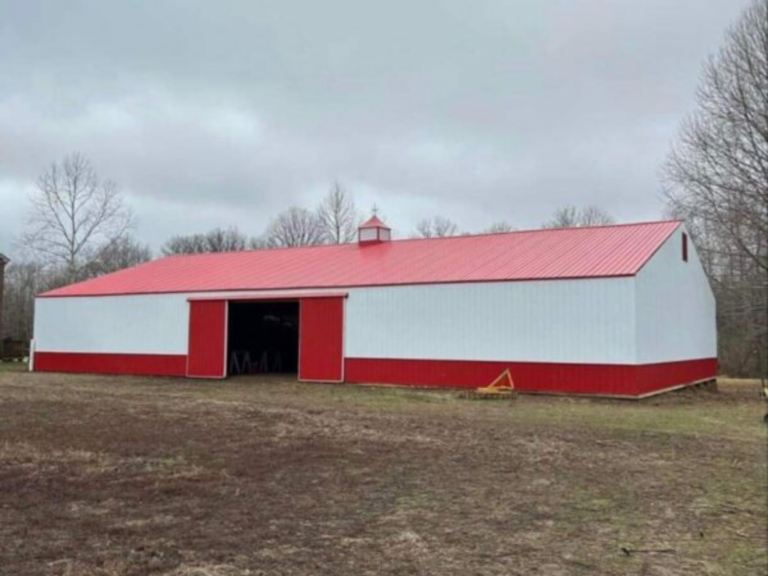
x,y
675,306
152,324
368,234
580,321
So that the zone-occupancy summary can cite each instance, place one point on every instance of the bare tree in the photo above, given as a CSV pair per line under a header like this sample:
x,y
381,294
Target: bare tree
x,y
565,217
258,243
719,168
437,227
185,244
20,289
338,216
295,227
595,216
716,177
229,240
23,280
216,240
73,214
122,253
500,226
570,216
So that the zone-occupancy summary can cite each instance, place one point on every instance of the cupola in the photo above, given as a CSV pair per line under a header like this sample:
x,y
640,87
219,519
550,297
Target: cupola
x,y
373,230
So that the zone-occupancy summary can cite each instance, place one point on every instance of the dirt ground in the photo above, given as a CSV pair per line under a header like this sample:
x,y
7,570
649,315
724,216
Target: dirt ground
x,y
122,476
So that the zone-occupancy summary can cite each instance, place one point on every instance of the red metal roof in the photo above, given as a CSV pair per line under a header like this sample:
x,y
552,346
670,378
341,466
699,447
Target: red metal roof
x,y
374,222
604,251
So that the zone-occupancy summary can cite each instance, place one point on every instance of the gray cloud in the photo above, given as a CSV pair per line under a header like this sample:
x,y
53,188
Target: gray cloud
x,y
224,113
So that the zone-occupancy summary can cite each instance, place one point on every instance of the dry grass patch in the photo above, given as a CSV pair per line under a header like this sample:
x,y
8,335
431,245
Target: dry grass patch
x,y
141,476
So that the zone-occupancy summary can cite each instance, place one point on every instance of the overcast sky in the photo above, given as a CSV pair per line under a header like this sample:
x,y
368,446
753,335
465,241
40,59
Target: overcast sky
x,y
223,113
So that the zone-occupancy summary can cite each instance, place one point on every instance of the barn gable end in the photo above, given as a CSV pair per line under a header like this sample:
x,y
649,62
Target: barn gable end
x,y
675,309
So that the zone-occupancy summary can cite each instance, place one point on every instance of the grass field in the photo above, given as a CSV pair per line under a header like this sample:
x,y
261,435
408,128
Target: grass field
x,y
135,476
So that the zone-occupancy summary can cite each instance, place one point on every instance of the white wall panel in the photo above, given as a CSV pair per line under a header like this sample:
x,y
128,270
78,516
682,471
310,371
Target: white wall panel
x,y
675,306
152,324
583,321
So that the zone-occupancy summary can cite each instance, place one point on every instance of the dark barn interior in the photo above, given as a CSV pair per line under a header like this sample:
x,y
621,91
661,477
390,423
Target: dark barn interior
x,y
263,337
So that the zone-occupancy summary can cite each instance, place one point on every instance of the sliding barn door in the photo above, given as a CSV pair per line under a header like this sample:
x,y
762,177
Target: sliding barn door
x,y
207,351
321,339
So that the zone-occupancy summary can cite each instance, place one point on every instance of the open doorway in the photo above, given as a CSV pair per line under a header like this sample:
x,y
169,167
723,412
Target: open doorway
x,y
263,338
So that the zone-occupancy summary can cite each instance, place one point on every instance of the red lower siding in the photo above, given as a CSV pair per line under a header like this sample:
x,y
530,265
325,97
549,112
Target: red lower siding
x,y
625,380
652,377
136,364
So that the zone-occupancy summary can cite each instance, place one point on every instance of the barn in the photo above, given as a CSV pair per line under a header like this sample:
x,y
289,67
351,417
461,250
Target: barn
x,y
620,310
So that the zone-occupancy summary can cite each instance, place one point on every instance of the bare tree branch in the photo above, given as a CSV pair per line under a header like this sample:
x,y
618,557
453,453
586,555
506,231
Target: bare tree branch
x,y
571,217
338,216
73,214
437,227
295,227
500,226
216,240
716,177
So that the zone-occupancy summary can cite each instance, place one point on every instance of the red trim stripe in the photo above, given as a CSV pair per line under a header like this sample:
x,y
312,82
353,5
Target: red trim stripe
x,y
134,364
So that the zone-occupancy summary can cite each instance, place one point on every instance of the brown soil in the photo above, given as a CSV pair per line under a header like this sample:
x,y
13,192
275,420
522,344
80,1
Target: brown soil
x,y
131,476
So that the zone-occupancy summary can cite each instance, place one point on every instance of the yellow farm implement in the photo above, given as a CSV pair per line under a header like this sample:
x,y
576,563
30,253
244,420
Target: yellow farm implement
x,y
502,388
